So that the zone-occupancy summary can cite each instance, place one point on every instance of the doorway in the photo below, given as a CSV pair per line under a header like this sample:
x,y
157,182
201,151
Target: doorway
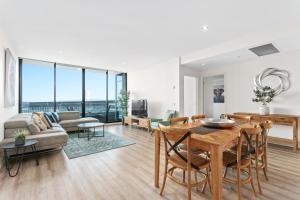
x,y
214,96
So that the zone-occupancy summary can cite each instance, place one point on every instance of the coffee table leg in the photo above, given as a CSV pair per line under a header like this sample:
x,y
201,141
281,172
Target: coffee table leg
x,y
6,158
99,135
19,163
34,151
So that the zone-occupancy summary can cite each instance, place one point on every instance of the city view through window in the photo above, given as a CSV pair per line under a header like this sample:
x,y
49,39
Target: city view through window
x,y
46,87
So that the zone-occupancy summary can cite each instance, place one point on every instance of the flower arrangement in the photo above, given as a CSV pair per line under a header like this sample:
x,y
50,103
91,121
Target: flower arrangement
x,y
20,136
264,96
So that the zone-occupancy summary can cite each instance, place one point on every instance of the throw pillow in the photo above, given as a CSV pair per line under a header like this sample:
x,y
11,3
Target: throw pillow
x,y
44,119
37,120
56,117
49,123
49,115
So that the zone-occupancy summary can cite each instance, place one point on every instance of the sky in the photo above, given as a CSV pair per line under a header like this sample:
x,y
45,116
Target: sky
x,y
38,84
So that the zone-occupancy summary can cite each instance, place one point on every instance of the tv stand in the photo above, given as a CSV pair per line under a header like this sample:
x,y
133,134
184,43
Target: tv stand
x,y
141,122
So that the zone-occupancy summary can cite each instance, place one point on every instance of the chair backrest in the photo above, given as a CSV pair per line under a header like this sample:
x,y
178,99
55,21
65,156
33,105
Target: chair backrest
x,y
170,114
174,137
179,120
245,140
196,118
262,139
239,118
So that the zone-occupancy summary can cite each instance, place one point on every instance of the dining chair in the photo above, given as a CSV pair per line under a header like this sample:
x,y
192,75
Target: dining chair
x,y
183,147
196,118
260,154
239,118
179,120
186,161
240,160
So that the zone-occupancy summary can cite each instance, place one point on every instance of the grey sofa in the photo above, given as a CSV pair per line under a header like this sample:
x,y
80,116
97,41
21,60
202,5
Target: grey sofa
x,y
49,139
69,120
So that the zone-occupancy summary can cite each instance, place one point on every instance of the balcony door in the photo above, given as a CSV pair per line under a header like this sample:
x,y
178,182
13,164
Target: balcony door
x,y
95,94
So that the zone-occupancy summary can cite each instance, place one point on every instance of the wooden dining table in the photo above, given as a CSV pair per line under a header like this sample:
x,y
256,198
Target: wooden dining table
x,y
215,142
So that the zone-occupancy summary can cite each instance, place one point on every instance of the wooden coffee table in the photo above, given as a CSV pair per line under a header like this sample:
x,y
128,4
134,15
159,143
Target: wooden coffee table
x,y
86,127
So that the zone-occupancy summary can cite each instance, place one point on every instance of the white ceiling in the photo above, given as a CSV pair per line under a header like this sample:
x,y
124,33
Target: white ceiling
x,y
133,34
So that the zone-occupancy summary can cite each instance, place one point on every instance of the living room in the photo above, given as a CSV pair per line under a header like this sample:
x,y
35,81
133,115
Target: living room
x,y
149,100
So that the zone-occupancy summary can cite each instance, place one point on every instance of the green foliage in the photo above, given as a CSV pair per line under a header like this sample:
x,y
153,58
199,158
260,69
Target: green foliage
x,y
21,134
264,96
123,100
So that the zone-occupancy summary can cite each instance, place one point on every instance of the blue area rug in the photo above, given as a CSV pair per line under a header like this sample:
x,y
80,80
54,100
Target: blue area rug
x,y
78,147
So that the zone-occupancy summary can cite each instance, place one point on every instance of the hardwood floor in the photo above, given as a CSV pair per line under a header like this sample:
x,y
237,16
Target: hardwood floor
x,y
127,173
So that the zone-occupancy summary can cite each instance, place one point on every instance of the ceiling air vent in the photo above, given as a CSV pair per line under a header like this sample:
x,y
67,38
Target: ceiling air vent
x,y
264,50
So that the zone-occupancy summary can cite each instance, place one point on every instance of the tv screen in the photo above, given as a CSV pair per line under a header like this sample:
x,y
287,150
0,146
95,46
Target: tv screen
x,y
139,108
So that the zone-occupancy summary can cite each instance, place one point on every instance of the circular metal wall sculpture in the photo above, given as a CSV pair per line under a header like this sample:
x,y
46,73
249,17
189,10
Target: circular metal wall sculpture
x,y
282,75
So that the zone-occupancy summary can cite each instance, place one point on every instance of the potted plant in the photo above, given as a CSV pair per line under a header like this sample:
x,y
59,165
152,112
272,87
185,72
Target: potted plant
x,y
123,100
264,96
20,136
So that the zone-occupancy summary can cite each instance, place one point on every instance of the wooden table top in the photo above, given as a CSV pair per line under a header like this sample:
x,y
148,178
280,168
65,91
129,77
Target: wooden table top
x,y
219,137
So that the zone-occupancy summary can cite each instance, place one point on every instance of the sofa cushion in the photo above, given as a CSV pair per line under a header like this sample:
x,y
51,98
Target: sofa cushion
x,y
47,139
75,122
11,132
37,120
50,116
70,115
16,122
34,129
55,117
49,123
53,130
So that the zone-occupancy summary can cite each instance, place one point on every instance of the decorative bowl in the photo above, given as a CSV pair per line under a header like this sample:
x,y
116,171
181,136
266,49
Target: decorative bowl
x,y
218,123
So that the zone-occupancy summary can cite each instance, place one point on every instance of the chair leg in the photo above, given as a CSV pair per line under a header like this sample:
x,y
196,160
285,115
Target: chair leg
x,y
208,178
183,176
196,180
238,171
265,173
265,160
165,178
225,173
257,175
251,180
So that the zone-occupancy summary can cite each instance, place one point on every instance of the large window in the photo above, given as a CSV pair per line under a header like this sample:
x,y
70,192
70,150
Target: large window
x,y
37,87
95,94
68,88
52,87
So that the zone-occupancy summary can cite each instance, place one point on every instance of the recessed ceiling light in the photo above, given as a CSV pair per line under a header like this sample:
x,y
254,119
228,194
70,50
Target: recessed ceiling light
x,y
204,28
60,51
203,64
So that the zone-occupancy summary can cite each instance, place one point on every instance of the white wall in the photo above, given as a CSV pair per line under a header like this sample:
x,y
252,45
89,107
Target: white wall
x,y
239,86
159,84
190,95
186,71
5,113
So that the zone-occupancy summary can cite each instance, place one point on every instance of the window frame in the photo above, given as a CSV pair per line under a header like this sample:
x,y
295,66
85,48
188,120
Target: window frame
x,y
83,82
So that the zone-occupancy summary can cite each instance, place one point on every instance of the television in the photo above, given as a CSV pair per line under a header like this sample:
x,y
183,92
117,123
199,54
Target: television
x,y
139,108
